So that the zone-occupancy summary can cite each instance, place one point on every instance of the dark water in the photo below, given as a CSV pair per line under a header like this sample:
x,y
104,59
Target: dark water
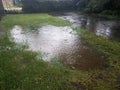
x,y
100,26
64,43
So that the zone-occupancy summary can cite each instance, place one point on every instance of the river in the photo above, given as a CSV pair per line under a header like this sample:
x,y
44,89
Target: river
x,y
101,26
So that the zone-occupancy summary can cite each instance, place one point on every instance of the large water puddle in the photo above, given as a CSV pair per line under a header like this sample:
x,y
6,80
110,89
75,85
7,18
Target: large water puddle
x,y
59,42
65,44
100,26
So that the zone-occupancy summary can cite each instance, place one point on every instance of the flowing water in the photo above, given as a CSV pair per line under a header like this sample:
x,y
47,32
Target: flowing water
x,y
64,43
101,26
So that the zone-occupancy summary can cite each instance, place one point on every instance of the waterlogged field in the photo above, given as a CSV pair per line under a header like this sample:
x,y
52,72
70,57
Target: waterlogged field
x,y
21,68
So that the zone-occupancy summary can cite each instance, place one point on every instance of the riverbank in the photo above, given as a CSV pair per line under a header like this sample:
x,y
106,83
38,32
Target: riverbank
x,y
100,15
20,69
111,67
110,48
112,17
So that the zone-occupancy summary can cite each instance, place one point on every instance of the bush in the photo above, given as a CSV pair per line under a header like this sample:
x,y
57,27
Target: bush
x,y
87,10
30,6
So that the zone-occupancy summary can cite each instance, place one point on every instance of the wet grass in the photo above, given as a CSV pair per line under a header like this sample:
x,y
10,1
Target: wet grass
x,y
21,70
31,20
107,77
109,47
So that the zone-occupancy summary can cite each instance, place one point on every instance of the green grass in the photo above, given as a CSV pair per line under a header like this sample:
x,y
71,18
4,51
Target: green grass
x,y
21,70
31,20
110,48
106,78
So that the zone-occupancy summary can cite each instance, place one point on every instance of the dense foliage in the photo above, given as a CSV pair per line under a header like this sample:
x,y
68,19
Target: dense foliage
x,y
53,5
1,8
47,5
104,6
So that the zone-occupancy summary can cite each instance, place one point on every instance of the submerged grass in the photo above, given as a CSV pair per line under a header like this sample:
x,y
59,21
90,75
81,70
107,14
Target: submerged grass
x,y
21,70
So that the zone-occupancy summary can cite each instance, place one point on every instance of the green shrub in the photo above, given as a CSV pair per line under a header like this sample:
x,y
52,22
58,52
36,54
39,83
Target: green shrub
x,y
46,5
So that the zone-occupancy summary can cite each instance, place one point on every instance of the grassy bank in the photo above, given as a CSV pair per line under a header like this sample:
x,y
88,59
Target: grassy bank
x,y
113,15
110,48
21,70
31,20
111,68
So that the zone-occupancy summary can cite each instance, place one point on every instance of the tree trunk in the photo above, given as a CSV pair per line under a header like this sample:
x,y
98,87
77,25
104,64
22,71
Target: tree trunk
x,y
1,8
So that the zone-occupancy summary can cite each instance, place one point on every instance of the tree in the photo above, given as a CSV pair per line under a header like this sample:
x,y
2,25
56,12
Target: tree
x,y
31,6
104,6
16,2
1,8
